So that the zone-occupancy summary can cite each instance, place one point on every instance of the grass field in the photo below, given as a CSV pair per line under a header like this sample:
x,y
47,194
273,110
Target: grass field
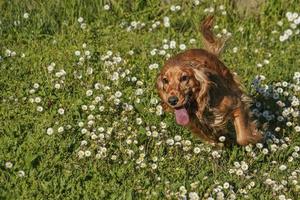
x,y
80,117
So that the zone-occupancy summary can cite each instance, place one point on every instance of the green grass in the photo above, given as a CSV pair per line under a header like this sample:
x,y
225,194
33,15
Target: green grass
x,y
52,166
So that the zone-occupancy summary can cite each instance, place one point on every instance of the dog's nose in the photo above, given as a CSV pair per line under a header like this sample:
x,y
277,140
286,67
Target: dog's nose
x,y
173,100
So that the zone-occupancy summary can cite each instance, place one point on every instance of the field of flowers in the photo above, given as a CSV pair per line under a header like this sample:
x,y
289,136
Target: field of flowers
x,y
80,117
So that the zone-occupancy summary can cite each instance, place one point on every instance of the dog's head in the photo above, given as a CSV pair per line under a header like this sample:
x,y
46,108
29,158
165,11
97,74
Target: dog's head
x,y
179,84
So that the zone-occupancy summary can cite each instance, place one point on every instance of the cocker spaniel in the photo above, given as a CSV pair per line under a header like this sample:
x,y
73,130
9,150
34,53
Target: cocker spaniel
x,y
205,96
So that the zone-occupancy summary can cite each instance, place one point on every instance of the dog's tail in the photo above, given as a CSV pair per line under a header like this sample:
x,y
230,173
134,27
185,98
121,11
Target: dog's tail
x,y
211,43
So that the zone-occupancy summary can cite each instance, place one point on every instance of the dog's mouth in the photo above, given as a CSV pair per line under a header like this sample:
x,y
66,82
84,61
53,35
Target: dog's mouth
x,y
181,113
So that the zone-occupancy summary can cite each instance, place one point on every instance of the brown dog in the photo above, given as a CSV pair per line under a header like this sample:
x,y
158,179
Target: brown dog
x,y
205,95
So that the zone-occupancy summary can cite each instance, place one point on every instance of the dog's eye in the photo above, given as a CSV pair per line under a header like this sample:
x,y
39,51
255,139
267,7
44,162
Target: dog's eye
x,y
165,81
184,78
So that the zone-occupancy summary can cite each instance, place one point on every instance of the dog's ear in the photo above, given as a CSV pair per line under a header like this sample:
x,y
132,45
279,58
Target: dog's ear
x,y
159,83
160,89
202,96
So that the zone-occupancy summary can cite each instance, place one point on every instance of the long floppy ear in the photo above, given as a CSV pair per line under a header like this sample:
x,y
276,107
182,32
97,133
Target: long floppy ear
x,y
159,83
202,97
160,89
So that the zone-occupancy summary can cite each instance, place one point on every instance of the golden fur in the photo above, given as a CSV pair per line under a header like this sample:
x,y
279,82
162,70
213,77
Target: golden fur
x,y
208,91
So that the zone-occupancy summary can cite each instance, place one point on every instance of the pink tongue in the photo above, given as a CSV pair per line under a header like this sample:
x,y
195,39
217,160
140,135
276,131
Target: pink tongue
x,y
182,116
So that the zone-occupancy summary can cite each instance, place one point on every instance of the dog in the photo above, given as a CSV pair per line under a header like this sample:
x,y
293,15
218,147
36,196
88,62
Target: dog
x,y
205,96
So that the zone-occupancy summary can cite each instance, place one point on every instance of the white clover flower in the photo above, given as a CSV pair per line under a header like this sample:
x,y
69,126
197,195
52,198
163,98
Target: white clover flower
x,y
87,153
197,150
131,52
163,125
139,121
235,49
239,172
139,92
61,111
237,164
196,2
81,60
293,26
153,101
80,154
192,41
50,68
118,94
8,165
296,148
106,7
178,8
60,129
49,131
83,143
155,134
114,157
266,61
193,196
282,38
182,46
187,142
288,32
83,26
32,91
166,21
139,83
91,123
297,129
153,52
222,138
244,167
26,15
172,44
57,86
173,8
165,46
282,167
289,16
84,131
21,173
170,142
221,7
297,20
162,52
259,65
39,109
89,93
80,124
259,145
265,151
177,138
77,53
215,154
295,155
281,197
153,166
226,185
80,19
36,86
101,108
37,99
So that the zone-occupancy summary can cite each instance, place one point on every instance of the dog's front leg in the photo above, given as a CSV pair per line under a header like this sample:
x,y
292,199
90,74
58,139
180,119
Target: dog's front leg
x,y
246,130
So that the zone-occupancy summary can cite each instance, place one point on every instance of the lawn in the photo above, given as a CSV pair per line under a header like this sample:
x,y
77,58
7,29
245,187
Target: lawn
x,y
80,117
